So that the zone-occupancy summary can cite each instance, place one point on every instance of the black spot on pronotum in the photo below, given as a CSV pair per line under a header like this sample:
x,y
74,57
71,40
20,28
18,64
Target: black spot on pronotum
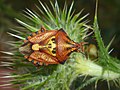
x,y
49,44
53,40
54,50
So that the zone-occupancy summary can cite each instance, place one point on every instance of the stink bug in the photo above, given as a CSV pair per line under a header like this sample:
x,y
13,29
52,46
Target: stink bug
x,y
49,47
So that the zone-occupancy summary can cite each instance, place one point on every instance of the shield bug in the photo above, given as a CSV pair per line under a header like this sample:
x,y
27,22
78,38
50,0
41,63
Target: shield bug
x,y
49,47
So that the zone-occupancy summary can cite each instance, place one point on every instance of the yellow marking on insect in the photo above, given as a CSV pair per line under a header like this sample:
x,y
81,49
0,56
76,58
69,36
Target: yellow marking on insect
x,y
37,47
51,45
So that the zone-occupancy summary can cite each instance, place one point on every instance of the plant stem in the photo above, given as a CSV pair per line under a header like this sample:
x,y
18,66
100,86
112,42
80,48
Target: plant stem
x,y
87,67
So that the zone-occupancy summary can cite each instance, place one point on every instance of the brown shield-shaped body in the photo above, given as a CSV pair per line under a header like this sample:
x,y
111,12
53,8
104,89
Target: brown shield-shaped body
x,y
49,47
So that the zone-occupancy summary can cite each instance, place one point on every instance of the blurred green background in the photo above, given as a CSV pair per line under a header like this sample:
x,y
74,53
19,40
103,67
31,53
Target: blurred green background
x,y
108,15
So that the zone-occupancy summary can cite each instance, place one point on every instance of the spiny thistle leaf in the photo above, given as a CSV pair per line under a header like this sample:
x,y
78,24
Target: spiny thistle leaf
x,y
108,46
19,37
31,28
104,58
91,80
